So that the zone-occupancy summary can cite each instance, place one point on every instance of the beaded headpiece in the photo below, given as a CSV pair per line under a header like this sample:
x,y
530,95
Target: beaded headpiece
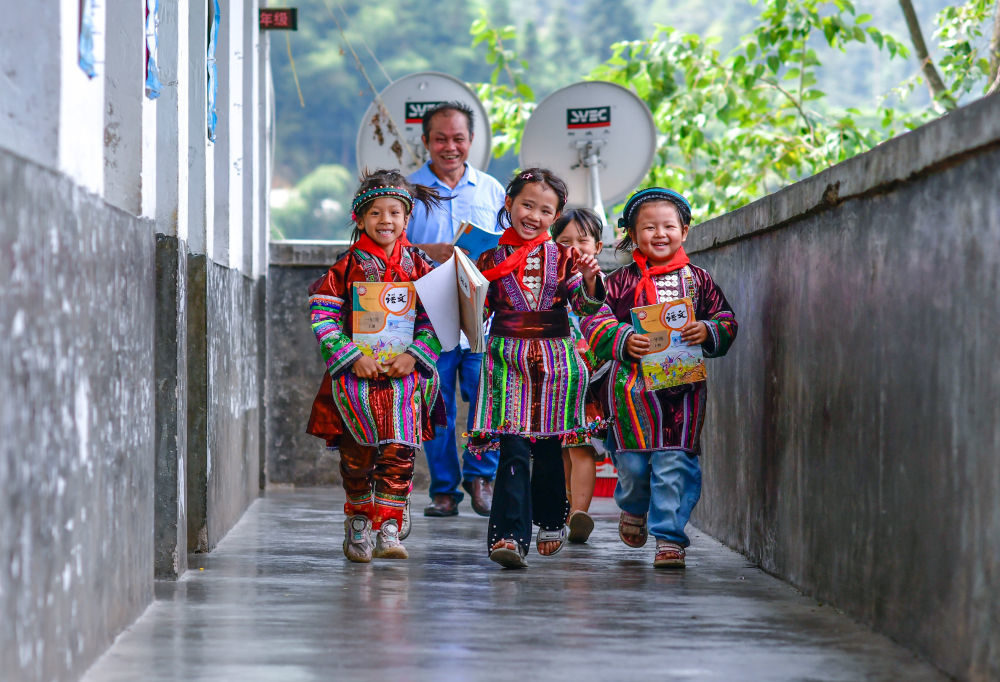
x,y
654,194
376,192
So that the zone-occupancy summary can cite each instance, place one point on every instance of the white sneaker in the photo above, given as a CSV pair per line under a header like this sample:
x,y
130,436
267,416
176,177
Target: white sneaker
x,y
387,544
357,538
406,527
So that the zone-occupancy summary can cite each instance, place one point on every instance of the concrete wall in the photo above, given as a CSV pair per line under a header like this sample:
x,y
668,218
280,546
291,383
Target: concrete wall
x,y
77,306
131,353
295,369
853,435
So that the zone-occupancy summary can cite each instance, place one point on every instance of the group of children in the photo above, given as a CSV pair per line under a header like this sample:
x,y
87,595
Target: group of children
x,y
560,373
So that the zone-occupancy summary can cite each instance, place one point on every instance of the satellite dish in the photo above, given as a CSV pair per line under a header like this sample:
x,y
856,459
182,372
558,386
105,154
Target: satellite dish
x,y
598,137
389,136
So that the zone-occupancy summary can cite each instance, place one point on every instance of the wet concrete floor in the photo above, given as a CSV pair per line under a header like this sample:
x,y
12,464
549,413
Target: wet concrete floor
x,y
277,600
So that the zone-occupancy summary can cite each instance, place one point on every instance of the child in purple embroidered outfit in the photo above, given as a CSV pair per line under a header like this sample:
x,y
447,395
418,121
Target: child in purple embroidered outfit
x,y
655,433
533,380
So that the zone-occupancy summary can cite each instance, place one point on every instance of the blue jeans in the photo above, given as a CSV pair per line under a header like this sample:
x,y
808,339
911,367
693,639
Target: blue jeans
x,y
442,453
666,484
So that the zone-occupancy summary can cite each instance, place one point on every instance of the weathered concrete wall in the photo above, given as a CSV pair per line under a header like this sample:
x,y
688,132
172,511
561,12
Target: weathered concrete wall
x,y
234,449
224,409
170,508
77,303
295,369
853,436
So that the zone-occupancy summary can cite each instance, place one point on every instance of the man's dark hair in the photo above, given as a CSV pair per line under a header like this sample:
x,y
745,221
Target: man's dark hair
x,y
443,107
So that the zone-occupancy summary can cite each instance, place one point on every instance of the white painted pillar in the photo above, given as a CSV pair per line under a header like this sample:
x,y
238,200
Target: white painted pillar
x,y
228,247
195,84
249,142
124,77
262,155
172,122
29,88
81,107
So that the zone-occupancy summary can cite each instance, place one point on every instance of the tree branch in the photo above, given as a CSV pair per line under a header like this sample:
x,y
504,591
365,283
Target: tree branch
x,y
995,50
937,87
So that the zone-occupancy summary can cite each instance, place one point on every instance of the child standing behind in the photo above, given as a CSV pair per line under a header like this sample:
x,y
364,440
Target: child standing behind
x,y
581,229
375,414
655,434
532,380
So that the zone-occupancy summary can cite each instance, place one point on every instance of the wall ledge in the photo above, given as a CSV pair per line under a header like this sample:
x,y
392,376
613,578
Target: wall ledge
x,y
907,156
305,253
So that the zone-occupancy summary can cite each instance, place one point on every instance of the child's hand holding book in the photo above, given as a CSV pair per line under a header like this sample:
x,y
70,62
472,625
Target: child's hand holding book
x,y
366,367
402,365
694,333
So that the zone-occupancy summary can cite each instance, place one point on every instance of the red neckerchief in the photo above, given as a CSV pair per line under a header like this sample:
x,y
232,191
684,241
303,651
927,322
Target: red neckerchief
x,y
393,263
646,285
516,260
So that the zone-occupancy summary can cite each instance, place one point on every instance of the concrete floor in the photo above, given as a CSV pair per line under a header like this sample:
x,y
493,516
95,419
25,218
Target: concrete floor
x,y
277,601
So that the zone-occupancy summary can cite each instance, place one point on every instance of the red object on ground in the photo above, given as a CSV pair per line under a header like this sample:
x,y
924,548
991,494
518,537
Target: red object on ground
x,y
607,479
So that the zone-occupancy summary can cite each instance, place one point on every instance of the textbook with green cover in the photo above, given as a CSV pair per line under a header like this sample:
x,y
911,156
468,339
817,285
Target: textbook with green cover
x,y
670,361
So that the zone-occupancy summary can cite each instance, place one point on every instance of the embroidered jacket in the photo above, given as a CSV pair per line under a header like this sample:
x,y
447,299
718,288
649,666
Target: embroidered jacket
x,y
373,411
641,420
533,380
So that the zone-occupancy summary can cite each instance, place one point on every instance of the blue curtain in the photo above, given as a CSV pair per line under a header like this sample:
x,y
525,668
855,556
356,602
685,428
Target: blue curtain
x,y
87,38
213,82
152,43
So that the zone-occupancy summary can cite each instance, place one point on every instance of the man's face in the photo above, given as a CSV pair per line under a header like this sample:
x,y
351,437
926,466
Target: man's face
x,y
448,141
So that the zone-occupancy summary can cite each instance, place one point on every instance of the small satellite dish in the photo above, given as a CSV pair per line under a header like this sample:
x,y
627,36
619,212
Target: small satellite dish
x,y
598,137
389,136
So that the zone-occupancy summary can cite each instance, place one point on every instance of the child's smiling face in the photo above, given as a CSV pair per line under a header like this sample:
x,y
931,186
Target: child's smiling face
x,y
658,231
533,210
385,221
574,235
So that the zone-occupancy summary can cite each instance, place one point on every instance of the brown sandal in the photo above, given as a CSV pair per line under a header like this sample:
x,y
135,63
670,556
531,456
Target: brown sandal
x,y
632,529
668,555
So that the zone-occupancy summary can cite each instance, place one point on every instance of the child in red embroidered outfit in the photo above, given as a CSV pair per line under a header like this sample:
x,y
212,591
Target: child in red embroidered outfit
x,y
581,229
655,434
532,381
376,414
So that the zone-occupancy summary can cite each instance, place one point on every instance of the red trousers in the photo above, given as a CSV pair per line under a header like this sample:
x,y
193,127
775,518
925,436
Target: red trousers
x,y
376,479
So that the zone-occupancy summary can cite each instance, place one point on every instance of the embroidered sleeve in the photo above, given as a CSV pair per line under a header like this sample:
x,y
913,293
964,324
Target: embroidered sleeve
x,y
714,310
576,291
606,336
326,301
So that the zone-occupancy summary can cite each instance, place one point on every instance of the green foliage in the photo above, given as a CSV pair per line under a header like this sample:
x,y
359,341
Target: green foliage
x,y
965,65
734,127
508,103
319,204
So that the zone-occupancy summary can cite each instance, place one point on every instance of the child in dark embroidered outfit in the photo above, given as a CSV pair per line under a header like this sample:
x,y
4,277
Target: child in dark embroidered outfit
x,y
375,414
581,228
533,381
655,434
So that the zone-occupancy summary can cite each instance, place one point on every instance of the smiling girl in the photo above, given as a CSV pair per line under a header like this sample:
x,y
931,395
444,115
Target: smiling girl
x,y
375,414
655,434
533,381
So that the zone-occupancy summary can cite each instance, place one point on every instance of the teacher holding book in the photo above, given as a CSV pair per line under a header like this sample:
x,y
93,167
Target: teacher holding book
x,y
476,198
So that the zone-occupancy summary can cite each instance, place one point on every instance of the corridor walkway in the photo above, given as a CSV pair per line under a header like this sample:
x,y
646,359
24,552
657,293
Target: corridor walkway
x,y
277,601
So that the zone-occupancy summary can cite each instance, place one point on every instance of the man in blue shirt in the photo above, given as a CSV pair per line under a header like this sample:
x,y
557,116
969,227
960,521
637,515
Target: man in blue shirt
x,y
447,136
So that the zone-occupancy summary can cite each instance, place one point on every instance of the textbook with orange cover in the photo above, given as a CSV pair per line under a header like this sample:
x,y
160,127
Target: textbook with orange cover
x,y
670,361
383,318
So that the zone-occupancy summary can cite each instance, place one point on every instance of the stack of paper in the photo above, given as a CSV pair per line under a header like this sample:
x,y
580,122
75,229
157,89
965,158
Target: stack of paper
x,y
453,295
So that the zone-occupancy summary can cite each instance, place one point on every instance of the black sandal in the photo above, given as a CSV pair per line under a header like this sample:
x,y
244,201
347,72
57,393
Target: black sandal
x,y
502,554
